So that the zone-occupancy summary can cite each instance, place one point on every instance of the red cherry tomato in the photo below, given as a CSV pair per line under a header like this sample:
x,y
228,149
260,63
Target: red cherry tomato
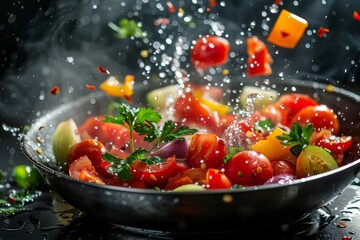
x,y
248,168
294,102
210,51
154,174
283,166
190,111
321,116
190,176
80,164
206,150
216,179
276,114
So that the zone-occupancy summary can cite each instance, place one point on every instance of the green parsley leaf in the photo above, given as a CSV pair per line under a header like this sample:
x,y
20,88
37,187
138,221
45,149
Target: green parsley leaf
x,y
127,28
299,137
264,126
232,152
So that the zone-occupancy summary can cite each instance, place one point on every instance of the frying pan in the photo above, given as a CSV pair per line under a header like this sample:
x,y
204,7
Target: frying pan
x,y
197,212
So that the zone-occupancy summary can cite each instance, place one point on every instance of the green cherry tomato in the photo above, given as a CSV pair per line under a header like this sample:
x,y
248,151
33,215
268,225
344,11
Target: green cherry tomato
x,y
27,177
314,160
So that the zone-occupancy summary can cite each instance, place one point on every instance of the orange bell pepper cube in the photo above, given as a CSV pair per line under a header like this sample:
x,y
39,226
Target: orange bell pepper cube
x,y
288,30
114,88
272,148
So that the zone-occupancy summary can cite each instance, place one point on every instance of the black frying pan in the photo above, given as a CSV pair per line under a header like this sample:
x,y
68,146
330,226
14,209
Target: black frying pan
x,y
197,212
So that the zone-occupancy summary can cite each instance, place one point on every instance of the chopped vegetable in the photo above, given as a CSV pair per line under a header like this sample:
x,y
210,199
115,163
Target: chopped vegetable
x,y
322,31
259,59
65,136
356,16
267,96
27,177
288,30
127,28
114,88
55,90
209,51
103,70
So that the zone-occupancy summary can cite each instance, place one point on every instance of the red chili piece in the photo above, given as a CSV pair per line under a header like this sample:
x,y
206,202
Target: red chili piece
x,y
55,90
322,31
90,87
103,70
356,16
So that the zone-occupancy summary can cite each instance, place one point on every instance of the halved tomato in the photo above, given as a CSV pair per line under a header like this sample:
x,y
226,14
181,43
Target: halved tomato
x,y
294,102
154,174
206,150
216,179
80,164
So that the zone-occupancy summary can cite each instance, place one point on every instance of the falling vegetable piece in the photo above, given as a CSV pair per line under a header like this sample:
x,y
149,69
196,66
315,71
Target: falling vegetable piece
x,y
114,88
90,87
322,31
356,16
288,30
103,70
277,2
212,3
170,7
55,90
127,28
259,59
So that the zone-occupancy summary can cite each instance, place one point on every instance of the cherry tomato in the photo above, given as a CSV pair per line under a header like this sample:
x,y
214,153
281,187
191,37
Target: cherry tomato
x,y
80,164
294,102
247,126
190,176
154,174
248,168
210,51
206,150
283,166
321,116
314,160
276,113
216,179
259,59
190,112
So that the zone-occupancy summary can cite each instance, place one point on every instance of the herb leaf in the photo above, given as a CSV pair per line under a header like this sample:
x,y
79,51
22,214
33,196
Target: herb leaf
x,y
127,28
264,126
299,137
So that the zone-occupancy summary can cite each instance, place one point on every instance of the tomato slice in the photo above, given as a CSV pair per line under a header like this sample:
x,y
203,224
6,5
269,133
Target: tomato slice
x,y
190,176
210,51
188,110
80,164
216,179
154,174
206,150
248,168
321,116
90,177
88,147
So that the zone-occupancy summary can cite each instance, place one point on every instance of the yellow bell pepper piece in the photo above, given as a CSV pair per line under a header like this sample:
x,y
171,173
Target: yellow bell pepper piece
x,y
288,30
272,148
222,109
114,88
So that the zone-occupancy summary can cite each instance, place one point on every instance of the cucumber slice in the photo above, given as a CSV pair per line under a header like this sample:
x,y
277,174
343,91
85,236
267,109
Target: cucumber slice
x,y
159,97
64,137
269,96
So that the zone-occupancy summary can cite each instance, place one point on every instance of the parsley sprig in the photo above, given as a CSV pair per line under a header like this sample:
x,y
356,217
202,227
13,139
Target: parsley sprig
x,y
298,138
143,121
127,28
